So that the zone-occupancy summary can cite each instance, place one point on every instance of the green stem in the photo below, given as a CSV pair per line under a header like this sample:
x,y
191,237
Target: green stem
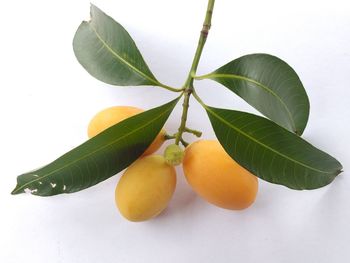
x,y
188,86
195,95
169,137
169,88
206,76
194,132
184,143
185,106
201,42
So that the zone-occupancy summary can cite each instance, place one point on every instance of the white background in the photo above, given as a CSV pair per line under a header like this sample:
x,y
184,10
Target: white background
x,y
47,100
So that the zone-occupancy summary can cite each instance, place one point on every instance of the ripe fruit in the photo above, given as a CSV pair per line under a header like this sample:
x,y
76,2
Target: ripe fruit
x,y
217,178
145,188
110,116
174,154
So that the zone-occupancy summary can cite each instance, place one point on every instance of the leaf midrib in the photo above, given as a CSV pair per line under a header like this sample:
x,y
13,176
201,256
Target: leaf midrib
x,y
234,76
262,144
89,154
155,82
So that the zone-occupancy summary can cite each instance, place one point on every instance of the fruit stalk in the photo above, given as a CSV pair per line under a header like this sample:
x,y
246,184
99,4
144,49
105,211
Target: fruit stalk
x,y
188,86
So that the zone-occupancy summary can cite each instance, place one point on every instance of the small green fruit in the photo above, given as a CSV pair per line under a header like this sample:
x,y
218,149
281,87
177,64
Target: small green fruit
x,y
174,154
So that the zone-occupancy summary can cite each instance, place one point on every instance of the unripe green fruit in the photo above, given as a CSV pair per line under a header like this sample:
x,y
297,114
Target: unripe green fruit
x,y
174,154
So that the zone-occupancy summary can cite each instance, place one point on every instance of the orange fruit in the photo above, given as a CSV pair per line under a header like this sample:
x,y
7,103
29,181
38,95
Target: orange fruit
x,y
217,178
145,188
110,116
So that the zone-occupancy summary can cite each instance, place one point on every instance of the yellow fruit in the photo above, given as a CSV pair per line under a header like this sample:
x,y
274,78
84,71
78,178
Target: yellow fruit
x,y
145,188
217,178
110,116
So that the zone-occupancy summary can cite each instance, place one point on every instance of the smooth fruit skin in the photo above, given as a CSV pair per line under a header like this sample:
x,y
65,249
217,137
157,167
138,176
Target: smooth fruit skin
x,y
110,116
217,178
145,188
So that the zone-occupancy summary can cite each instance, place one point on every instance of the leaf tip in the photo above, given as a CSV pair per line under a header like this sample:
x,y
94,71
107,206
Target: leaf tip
x,y
339,171
93,10
16,191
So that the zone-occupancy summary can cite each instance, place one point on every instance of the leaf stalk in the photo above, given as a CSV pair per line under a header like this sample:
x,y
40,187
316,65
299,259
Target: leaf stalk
x,y
169,88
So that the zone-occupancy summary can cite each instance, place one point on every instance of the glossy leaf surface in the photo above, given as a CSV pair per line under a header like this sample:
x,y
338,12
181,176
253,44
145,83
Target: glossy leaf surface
x,y
99,158
270,85
107,51
271,152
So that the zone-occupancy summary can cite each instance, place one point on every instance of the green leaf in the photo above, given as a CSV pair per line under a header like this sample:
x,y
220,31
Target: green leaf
x,y
99,158
270,85
271,152
106,50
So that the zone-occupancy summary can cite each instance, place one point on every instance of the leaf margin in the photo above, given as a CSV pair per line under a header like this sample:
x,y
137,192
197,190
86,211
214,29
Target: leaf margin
x,y
148,78
297,128
20,188
335,174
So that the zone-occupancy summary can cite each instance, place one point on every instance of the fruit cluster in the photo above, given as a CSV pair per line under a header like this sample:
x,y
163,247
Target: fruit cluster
x,y
146,187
